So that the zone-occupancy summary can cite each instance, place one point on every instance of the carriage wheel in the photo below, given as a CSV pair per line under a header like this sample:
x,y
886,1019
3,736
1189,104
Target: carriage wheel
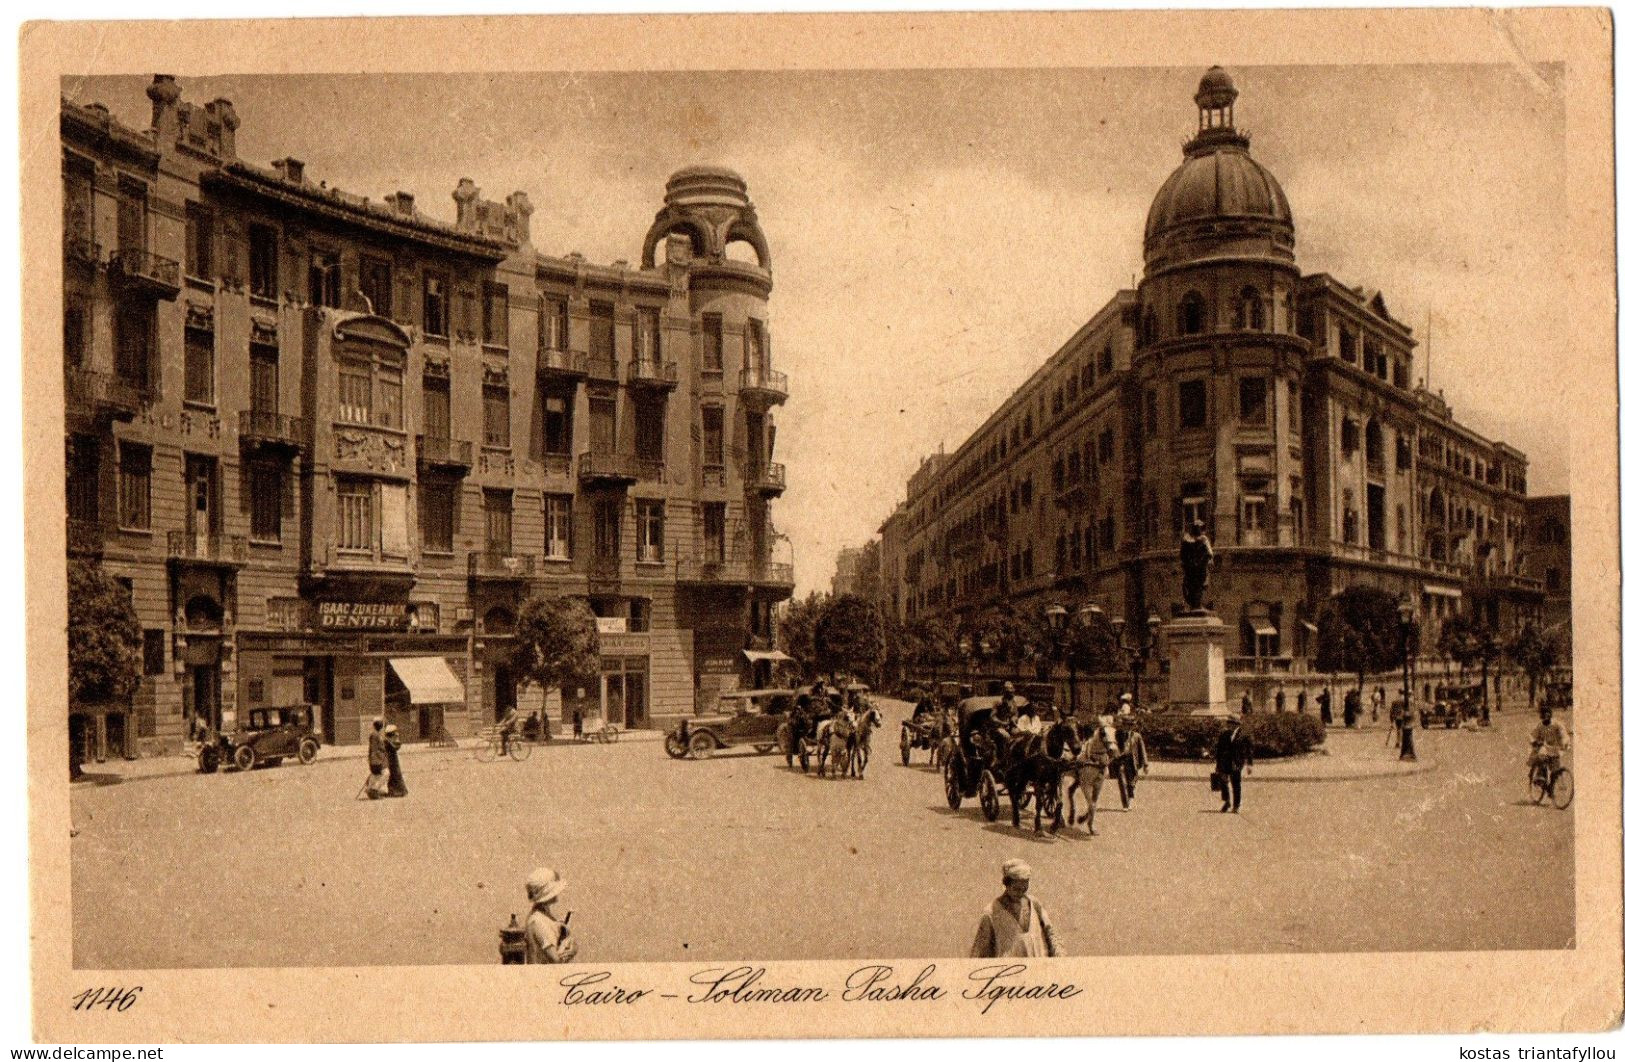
x,y
987,791
1562,788
951,784
904,749
1026,797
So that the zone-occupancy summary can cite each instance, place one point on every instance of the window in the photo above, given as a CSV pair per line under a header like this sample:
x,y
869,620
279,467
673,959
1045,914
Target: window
x,y
651,532
436,508
152,651
1253,517
1255,401
326,279
1373,445
1192,314
1108,532
1306,322
1193,504
649,427
435,294
496,416
711,342
1402,373
1103,360
556,424
378,284
199,241
262,261
355,392
84,479
555,323
74,321
265,519
558,515
135,486
200,366
1347,346
1148,327
1554,580
755,345
264,391
601,331
1292,406
1249,310
436,407
133,360
606,530
646,339
1351,519
715,518
78,210
354,516
494,315
1193,404
1351,436
132,214
1027,493
711,418
637,615
1150,421
499,522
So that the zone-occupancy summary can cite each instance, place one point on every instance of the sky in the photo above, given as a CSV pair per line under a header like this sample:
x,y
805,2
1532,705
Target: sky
x,y
936,235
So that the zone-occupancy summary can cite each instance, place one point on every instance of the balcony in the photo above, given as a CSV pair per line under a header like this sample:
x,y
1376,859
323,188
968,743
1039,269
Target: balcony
x,y
145,273
765,478
1521,585
270,432
763,387
602,367
446,455
767,574
223,551
603,574
607,470
98,395
81,251
501,566
561,365
652,375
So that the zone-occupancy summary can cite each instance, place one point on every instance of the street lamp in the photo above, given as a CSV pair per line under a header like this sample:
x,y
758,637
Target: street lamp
x,y
1138,649
1059,618
964,657
1407,627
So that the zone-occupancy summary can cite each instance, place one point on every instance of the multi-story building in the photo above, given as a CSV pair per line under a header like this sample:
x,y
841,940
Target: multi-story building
x,y
331,443
1551,561
1279,409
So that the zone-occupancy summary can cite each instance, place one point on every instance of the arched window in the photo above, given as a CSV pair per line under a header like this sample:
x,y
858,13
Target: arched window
x,y
1249,310
1192,314
1373,444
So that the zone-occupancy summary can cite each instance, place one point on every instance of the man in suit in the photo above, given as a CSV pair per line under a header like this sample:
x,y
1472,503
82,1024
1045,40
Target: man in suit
x,y
1233,752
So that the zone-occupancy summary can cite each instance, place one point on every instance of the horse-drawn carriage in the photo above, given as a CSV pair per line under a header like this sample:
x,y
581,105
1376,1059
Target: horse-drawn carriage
x,y
925,730
991,761
832,726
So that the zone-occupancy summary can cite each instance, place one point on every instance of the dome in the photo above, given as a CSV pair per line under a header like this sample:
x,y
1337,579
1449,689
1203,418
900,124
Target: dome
x,y
1222,183
1216,81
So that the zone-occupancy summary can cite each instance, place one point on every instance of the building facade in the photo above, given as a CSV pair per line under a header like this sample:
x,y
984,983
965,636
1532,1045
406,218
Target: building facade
x,y
331,444
1281,410
1551,561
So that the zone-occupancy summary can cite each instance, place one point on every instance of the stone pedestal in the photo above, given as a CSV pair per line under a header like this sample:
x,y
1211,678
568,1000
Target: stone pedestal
x,y
1195,642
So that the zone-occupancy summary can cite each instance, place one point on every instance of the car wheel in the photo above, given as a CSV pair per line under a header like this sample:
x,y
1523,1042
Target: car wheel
x,y
208,759
701,745
675,747
244,758
1425,724
307,751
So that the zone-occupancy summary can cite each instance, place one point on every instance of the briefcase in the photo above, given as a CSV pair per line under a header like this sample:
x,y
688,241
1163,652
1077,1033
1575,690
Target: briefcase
x,y
1215,782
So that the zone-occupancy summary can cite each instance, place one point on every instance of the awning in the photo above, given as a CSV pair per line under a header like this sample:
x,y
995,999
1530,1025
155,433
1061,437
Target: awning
x,y
758,655
1265,630
1310,627
1435,590
428,679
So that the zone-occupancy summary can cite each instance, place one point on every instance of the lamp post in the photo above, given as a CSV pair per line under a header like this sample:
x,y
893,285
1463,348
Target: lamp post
x,y
1138,649
1058,617
1407,627
964,658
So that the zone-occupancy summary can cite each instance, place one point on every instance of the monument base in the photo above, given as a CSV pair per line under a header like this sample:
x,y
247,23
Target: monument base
x,y
1195,642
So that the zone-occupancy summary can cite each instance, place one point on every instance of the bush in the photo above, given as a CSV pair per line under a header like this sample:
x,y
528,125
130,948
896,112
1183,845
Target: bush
x,y
1173,736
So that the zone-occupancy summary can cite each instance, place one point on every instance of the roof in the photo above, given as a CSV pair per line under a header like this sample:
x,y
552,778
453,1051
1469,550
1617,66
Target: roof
x,y
1225,182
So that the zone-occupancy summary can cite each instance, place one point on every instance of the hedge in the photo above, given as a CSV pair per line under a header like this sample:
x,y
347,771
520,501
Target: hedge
x,y
1175,736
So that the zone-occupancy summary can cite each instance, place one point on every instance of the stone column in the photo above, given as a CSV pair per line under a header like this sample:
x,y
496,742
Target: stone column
x,y
1195,643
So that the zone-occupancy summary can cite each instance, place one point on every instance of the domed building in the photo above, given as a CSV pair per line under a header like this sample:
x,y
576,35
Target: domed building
x,y
1279,410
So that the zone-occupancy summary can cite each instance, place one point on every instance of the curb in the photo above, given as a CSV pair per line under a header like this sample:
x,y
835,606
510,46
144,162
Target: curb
x,y
1390,770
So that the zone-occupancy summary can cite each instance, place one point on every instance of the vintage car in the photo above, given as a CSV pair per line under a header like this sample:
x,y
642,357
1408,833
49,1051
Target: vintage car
x,y
269,736
1451,706
747,717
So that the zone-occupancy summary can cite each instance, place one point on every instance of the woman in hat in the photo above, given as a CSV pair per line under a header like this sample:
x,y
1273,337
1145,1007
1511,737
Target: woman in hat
x,y
547,939
392,752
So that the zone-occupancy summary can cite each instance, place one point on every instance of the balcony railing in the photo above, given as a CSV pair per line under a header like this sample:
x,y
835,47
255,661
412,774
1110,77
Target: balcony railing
x,y
1526,584
735,572
142,269
601,367
100,393
765,478
764,385
661,375
607,469
500,564
435,451
562,363
230,550
270,430
555,464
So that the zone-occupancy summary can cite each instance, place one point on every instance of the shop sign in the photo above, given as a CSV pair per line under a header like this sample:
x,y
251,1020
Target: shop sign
x,y
611,624
361,615
718,665
622,644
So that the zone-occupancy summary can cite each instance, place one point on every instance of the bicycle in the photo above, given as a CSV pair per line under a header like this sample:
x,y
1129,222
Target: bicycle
x,y
607,734
1551,780
490,747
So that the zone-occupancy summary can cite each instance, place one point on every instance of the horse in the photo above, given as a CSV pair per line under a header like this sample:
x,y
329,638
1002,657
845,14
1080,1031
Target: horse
x,y
1086,775
868,721
836,737
1039,761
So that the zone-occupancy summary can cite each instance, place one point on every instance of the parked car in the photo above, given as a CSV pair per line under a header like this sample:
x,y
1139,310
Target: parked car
x,y
269,736
1451,706
746,717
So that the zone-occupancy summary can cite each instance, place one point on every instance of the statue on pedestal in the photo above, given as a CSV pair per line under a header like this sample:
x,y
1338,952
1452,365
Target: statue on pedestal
x,y
1195,554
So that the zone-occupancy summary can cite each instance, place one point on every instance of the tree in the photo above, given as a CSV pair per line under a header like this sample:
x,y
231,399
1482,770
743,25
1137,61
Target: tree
x,y
936,647
1469,641
1361,631
1535,652
1456,640
797,628
849,638
104,637
555,643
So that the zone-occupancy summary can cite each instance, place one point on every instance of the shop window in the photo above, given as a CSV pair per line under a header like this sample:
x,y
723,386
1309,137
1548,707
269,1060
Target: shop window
x,y
495,397
378,284
135,486
436,512
436,291
263,281
558,515
1193,404
152,651
200,367
1254,396
199,241
326,279
265,517
651,532
557,421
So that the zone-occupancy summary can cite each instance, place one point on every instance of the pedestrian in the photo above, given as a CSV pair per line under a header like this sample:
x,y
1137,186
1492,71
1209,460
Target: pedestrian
x,y
575,722
1014,924
1324,699
1379,699
392,753
1232,752
1303,699
1131,760
377,759
1246,703
1280,700
1407,728
1351,708
547,939
1094,761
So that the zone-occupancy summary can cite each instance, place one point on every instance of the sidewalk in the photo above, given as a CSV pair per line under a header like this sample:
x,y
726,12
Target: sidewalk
x,y
113,772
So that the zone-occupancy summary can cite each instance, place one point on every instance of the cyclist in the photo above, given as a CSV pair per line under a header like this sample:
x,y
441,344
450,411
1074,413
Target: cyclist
x,y
1547,743
507,727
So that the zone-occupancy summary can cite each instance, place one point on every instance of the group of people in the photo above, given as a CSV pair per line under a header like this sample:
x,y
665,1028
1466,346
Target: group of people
x,y
384,754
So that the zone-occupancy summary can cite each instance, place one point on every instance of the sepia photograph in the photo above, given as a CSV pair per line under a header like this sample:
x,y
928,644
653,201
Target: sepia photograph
x,y
884,531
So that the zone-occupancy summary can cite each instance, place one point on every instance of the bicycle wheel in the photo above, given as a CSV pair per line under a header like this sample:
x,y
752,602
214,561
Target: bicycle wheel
x,y
519,749
486,751
1537,785
1562,788
612,733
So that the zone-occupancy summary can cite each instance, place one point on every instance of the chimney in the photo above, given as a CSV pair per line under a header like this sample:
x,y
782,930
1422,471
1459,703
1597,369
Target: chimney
x,y
165,95
290,169
222,110
403,202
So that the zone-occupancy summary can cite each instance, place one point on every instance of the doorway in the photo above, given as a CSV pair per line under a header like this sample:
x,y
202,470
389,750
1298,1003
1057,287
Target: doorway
x,y
319,691
623,691
504,691
204,682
